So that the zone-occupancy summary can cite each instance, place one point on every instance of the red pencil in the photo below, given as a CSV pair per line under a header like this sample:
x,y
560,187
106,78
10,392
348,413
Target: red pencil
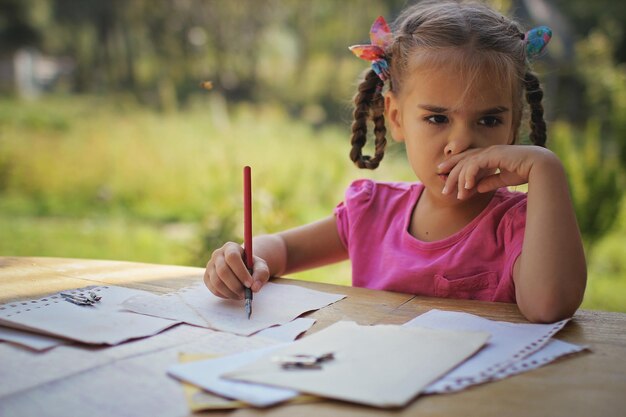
x,y
247,232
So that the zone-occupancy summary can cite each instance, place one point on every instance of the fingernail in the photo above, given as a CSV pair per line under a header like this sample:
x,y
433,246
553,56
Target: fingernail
x,y
467,186
445,190
256,286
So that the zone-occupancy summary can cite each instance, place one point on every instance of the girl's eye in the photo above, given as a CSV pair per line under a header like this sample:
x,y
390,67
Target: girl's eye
x,y
490,121
437,119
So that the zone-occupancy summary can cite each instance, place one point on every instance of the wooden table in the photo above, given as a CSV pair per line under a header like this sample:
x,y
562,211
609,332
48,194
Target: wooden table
x,y
589,384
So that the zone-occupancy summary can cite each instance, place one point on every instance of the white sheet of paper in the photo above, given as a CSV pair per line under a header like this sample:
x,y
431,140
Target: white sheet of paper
x,y
287,332
274,304
131,383
102,323
130,388
510,342
206,375
553,350
31,340
382,366
24,369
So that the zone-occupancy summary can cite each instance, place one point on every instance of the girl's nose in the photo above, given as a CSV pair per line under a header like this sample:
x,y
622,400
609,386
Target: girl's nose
x,y
459,141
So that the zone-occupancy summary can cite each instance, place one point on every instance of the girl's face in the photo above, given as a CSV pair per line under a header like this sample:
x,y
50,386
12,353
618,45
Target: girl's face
x,y
437,116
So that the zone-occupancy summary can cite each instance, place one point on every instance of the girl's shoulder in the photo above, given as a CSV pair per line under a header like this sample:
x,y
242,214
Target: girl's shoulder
x,y
366,189
509,212
509,200
365,198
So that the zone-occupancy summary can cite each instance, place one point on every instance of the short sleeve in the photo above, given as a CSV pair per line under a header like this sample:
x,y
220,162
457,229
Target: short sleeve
x,y
357,196
515,225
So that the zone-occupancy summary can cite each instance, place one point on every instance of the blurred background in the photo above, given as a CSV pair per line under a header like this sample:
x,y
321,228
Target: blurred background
x,y
110,149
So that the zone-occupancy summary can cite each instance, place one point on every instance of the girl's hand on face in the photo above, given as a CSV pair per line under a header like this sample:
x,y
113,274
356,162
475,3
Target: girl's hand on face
x,y
487,169
226,274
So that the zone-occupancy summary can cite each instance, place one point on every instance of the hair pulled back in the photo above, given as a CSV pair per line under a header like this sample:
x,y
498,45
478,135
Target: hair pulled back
x,y
478,37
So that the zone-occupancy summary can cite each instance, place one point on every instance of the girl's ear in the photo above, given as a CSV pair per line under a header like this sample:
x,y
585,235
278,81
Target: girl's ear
x,y
394,116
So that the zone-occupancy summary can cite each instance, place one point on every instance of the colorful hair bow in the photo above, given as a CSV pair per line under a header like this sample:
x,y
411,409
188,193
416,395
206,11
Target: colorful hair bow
x,y
536,41
381,38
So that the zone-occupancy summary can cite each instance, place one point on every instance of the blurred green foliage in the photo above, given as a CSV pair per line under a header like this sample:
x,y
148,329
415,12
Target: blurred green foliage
x,y
128,183
115,160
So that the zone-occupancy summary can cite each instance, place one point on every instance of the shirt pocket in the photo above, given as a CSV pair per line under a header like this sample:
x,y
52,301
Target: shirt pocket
x,y
480,286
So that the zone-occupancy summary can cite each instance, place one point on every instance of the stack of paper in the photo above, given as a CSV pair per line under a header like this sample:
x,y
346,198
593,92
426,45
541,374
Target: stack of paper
x,y
382,366
276,304
513,348
122,314
31,340
200,400
104,322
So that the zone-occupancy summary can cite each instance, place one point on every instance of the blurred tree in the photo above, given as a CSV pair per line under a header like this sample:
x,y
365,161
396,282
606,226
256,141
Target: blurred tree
x,y
586,87
594,177
161,50
16,28
605,87
587,16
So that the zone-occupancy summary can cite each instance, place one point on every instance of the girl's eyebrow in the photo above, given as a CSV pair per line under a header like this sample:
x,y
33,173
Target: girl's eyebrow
x,y
495,110
439,109
431,108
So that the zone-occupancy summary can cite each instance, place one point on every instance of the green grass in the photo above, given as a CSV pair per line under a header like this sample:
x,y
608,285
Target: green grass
x,y
92,178
606,289
99,238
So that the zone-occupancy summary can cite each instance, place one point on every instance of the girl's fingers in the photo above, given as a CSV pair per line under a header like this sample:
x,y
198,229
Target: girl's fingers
x,y
475,170
234,287
226,274
450,163
226,282
233,254
470,176
465,174
207,277
471,173
210,277
452,180
260,274
490,183
461,182
215,285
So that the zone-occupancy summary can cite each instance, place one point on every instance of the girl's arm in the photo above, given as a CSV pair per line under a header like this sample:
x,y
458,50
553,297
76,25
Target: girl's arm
x,y
550,275
305,247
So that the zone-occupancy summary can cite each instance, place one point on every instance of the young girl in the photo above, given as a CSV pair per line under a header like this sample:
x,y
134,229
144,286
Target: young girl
x,y
451,84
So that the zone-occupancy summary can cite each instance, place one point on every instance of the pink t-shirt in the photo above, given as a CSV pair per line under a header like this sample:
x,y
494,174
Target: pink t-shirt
x,y
474,263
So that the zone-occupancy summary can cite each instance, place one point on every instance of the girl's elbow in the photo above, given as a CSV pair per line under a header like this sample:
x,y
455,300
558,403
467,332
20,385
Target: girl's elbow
x,y
548,314
552,300
552,308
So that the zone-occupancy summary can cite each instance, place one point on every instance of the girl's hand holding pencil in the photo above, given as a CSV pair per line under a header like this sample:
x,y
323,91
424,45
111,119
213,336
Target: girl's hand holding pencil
x,y
227,276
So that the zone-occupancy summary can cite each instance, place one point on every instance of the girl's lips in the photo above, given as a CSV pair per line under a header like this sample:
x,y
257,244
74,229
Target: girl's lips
x,y
443,177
